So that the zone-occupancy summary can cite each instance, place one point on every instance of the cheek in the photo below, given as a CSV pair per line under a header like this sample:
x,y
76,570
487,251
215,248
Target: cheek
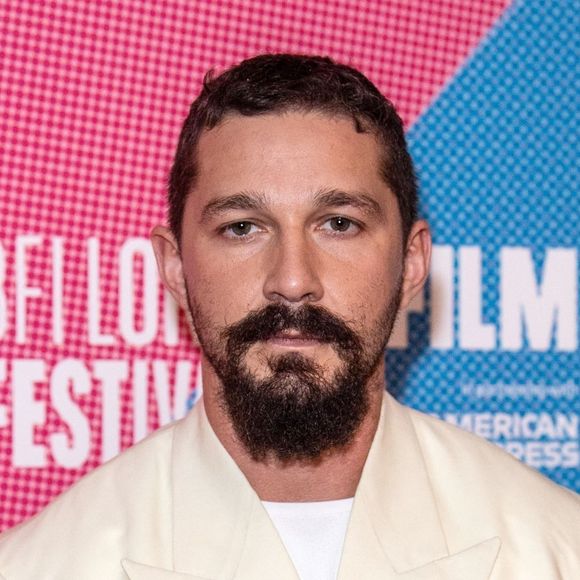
x,y
225,292
366,284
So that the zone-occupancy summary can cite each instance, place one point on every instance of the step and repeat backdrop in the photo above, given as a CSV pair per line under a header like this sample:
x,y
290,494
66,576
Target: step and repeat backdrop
x,y
93,354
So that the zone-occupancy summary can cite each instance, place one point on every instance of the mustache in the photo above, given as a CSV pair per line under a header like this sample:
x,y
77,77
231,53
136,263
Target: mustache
x,y
315,322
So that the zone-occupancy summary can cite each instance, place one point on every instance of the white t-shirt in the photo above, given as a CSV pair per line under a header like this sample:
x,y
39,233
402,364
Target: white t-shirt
x,y
313,534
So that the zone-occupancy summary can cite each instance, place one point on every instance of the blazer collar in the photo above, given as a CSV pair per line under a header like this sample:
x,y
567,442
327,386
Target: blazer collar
x,y
395,527
222,531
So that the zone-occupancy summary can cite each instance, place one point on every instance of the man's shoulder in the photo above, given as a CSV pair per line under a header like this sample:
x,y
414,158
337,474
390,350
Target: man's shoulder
x,y
476,478
93,516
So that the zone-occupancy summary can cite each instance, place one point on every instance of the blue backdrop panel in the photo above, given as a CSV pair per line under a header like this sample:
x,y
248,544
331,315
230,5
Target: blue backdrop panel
x,y
496,155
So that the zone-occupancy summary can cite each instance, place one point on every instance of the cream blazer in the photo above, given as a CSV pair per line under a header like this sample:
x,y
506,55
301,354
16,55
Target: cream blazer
x,y
433,503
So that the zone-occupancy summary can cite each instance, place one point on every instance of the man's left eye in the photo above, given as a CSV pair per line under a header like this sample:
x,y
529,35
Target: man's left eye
x,y
239,229
341,224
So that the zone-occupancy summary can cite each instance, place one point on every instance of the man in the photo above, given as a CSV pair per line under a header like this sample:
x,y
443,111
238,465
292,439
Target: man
x,y
293,243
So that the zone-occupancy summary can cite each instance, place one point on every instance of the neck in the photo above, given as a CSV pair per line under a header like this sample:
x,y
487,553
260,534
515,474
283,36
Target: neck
x,y
334,475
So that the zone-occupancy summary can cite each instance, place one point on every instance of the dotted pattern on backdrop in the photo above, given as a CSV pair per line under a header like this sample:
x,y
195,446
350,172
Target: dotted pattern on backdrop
x,y
92,94
496,154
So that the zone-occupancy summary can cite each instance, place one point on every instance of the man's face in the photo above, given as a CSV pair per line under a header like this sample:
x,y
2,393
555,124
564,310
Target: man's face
x,y
293,264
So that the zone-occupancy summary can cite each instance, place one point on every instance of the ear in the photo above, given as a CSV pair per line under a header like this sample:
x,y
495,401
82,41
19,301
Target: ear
x,y
170,268
169,263
417,260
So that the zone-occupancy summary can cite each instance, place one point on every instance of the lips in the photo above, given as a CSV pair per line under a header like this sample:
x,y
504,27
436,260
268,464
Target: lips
x,y
293,334
293,338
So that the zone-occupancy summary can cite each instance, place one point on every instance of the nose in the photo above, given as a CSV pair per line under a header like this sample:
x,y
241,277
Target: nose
x,y
293,273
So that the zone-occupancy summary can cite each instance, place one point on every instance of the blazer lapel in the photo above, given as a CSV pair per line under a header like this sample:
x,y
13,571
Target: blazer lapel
x,y
137,571
221,529
395,531
475,563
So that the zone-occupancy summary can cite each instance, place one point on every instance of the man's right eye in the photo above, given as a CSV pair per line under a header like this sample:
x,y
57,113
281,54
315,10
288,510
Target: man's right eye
x,y
239,229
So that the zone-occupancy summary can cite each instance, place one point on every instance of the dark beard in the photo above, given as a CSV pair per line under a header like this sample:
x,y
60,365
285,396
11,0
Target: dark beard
x,y
295,413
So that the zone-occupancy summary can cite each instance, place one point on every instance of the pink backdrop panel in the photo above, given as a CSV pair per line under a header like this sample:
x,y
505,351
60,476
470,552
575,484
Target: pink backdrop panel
x,y
92,95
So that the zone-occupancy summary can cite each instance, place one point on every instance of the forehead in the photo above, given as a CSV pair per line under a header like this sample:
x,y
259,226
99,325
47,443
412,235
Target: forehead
x,y
285,154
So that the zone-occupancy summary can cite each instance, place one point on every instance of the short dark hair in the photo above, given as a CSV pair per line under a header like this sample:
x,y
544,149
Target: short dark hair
x,y
282,82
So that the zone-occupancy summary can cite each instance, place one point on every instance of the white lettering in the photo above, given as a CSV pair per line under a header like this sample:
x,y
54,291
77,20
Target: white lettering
x,y
482,425
473,333
132,248
442,302
567,426
570,454
27,412
70,373
111,373
57,290
549,455
95,337
23,291
539,309
501,425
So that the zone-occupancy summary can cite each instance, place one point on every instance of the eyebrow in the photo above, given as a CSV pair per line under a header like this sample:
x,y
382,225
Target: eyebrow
x,y
243,200
337,198
254,200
